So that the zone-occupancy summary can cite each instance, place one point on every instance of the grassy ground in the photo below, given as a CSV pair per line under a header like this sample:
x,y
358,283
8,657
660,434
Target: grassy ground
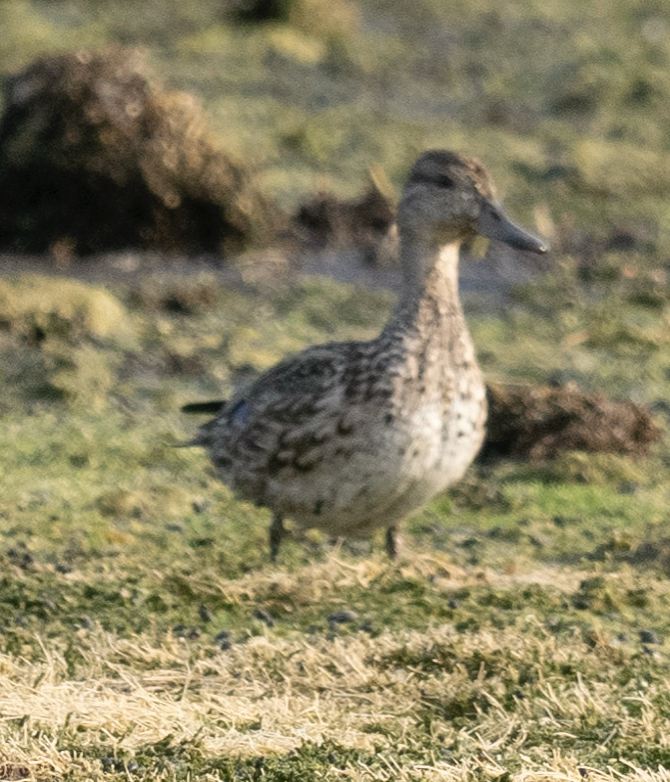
x,y
144,634
524,634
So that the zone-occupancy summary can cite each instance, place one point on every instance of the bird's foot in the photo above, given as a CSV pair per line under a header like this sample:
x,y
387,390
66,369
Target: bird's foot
x,y
392,541
277,532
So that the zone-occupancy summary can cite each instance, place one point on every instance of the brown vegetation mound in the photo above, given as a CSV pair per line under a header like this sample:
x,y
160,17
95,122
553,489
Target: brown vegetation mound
x,y
541,422
327,18
94,157
358,224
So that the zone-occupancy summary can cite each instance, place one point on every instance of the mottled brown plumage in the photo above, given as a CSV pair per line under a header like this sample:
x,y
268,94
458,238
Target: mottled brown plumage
x,y
352,436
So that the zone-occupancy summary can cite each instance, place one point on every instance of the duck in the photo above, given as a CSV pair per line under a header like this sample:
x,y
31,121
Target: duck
x,y
348,437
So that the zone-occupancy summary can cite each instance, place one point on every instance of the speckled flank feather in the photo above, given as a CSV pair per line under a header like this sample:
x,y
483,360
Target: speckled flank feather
x,y
351,436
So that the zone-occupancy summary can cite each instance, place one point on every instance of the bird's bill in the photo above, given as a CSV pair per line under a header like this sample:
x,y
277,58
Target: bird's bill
x,y
493,223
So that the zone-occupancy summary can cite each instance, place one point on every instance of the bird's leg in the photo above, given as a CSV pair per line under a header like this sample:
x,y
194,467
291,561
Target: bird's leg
x,y
276,534
392,541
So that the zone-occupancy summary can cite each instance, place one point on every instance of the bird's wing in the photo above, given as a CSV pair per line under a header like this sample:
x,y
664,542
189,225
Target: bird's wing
x,y
287,417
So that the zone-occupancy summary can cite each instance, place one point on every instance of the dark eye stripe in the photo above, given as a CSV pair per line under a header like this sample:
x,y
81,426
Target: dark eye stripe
x,y
441,180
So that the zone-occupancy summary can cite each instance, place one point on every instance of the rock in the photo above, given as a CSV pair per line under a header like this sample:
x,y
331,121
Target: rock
x,y
342,617
264,616
649,637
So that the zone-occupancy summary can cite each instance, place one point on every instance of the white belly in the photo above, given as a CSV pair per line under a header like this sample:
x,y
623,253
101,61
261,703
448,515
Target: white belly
x,y
392,473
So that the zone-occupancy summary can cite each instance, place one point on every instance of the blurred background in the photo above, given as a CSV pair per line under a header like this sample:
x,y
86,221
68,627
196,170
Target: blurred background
x,y
563,101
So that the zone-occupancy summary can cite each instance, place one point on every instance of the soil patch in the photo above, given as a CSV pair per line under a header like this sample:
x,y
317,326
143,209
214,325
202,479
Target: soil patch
x,y
540,422
361,224
95,157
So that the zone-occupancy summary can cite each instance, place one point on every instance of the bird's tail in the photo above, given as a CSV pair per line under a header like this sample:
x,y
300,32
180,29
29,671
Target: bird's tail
x,y
202,439
214,406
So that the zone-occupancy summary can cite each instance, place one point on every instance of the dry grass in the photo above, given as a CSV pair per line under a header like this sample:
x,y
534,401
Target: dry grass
x,y
517,703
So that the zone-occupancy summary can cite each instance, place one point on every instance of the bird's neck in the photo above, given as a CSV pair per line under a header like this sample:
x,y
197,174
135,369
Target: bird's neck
x,y
428,334
428,328
430,293
427,268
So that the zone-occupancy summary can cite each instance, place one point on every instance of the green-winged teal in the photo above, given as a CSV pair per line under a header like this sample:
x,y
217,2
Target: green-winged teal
x,y
350,436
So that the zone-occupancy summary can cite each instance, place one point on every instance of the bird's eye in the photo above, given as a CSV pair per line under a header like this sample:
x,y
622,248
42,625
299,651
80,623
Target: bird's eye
x,y
442,180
